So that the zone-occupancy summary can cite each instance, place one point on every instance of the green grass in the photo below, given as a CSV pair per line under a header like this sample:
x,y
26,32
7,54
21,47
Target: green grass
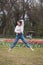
x,y
34,45
21,56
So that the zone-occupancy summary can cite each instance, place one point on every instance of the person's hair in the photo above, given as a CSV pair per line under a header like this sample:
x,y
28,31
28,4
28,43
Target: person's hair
x,y
20,22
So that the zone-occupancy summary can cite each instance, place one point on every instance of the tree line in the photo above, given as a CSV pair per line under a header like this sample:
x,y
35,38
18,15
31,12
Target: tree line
x,y
31,11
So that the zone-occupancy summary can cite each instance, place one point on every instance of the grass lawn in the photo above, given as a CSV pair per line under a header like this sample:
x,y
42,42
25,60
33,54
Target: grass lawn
x,y
21,56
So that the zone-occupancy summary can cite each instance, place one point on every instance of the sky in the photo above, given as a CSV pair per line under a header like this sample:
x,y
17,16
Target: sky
x,y
35,0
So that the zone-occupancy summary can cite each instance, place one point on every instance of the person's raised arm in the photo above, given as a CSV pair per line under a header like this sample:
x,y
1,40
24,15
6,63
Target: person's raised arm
x,y
22,22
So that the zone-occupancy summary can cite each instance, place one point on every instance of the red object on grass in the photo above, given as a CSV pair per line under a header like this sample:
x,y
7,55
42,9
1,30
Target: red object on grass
x,y
35,41
39,41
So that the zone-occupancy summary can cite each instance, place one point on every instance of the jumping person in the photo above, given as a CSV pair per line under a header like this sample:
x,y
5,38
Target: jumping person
x,y
19,35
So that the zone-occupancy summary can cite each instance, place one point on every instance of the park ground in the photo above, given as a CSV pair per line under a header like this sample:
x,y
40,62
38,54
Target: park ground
x,y
21,56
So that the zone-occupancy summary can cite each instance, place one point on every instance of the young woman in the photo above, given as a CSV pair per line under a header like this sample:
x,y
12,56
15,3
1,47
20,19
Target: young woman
x,y
19,35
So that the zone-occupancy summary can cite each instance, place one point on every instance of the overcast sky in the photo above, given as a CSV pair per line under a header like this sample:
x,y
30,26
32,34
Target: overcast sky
x,y
35,0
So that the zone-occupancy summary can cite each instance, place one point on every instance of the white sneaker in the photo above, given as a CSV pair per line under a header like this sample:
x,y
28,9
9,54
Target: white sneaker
x,y
9,49
32,49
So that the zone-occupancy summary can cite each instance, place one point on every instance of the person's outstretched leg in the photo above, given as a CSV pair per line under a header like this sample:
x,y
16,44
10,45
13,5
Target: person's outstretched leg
x,y
14,43
26,43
